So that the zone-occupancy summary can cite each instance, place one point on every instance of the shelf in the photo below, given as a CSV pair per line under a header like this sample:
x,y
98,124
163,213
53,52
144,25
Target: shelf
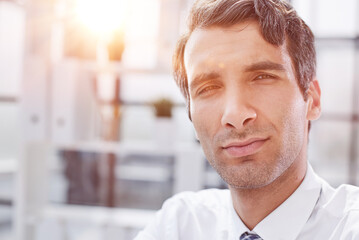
x,y
143,173
8,166
103,216
8,99
336,38
133,147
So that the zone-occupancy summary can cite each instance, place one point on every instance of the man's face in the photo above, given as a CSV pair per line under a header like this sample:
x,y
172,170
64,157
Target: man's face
x,y
246,106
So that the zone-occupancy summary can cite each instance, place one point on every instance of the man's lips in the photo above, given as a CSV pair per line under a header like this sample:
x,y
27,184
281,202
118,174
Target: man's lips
x,y
244,148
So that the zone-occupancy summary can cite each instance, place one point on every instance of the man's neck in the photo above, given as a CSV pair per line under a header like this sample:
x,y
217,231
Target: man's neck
x,y
253,205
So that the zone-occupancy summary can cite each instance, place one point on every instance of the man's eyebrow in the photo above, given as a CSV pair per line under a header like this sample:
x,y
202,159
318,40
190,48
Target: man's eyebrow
x,y
265,65
198,79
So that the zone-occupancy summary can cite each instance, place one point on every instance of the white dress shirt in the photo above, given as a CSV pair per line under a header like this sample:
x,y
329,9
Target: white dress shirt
x,y
315,211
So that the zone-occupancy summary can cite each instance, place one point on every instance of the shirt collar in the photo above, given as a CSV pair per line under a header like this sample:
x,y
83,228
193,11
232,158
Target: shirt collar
x,y
237,227
286,221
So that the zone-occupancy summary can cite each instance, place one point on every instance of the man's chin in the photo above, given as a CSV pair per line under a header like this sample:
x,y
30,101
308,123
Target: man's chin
x,y
248,177
247,186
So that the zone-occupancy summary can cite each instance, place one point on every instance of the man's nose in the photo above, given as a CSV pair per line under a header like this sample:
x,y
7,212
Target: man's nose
x,y
237,111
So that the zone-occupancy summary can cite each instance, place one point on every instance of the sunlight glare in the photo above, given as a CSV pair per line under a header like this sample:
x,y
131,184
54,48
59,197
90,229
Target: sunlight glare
x,y
101,16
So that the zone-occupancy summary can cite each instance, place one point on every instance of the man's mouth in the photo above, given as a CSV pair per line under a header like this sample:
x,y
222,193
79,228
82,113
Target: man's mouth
x,y
244,148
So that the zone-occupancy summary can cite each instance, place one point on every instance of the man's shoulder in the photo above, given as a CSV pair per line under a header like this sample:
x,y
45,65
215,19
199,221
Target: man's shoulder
x,y
197,205
341,201
209,198
350,196
189,215
344,206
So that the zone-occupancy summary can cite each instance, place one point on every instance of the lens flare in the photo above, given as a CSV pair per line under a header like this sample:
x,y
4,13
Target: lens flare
x,y
101,16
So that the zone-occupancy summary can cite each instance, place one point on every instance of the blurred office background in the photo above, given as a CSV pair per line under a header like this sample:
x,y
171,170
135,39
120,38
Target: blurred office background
x,y
94,134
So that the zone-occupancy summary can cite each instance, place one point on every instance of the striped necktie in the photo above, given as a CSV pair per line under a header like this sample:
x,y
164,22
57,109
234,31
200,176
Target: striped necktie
x,y
249,236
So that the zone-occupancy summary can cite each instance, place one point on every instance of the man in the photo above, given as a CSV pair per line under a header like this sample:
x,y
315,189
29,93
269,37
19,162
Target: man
x,y
247,70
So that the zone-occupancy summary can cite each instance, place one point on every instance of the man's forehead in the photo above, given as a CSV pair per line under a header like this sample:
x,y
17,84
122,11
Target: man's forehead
x,y
229,41
200,35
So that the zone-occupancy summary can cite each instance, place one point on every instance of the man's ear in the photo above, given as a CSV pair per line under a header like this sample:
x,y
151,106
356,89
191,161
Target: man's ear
x,y
195,132
313,101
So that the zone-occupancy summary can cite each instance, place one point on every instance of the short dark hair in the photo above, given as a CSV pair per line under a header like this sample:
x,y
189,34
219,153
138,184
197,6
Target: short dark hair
x,y
279,24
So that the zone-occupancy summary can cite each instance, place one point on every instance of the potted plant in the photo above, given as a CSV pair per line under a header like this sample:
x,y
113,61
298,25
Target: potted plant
x,y
163,107
164,129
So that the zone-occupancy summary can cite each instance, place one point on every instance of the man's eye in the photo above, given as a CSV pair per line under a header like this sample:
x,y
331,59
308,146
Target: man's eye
x,y
264,77
206,89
